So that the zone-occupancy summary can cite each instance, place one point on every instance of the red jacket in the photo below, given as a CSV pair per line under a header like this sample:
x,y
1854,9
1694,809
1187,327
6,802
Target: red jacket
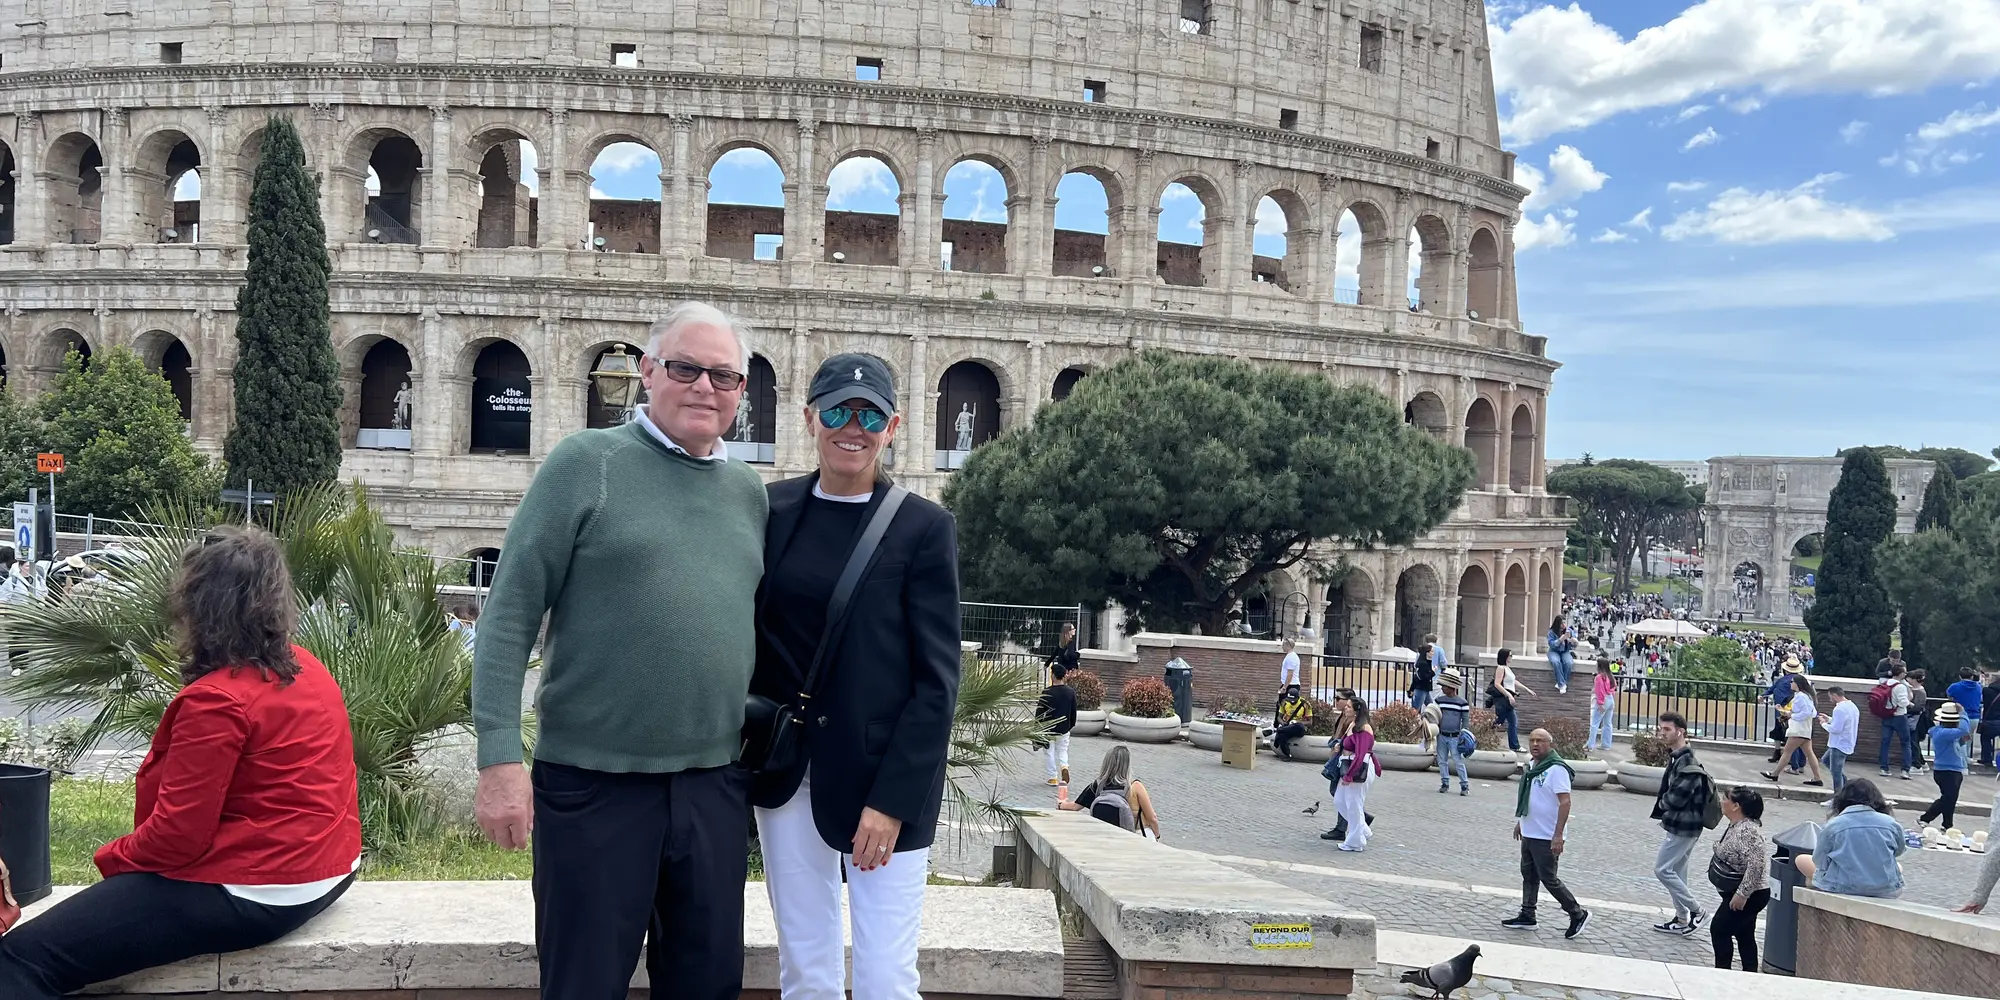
x,y
247,783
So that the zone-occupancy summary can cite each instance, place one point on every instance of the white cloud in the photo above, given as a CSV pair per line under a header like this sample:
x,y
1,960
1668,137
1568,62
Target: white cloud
x,y
1852,132
1610,236
1271,218
188,188
1550,232
1644,220
744,158
1570,176
597,193
625,157
373,185
1706,137
1925,149
1177,192
1691,111
1683,187
1963,122
1559,69
975,191
858,180
530,162
1746,217
1745,105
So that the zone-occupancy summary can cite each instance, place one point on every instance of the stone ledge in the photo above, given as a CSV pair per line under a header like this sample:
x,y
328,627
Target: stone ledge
x,y
1168,640
479,936
1978,932
1154,903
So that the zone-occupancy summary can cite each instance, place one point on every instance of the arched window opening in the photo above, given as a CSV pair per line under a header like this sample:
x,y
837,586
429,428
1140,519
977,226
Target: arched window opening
x,y
746,206
64,343
1182,256
1066,382
1430,266
1271,245
1082,227
596,413
1347,260
753,436
625,190
1482,436
177,367
1475,611
863,213
968,412
502,400
78,192
1514,613
1747,583
1482,280
6,371
394,191
6,194
168,184
1521,451
388,398
509,185
975,219
1427,411
481,564
1417,594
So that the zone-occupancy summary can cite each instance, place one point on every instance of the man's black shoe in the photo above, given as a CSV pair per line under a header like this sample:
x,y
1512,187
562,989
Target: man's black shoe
x,y
1337,833
1522,922
1577,922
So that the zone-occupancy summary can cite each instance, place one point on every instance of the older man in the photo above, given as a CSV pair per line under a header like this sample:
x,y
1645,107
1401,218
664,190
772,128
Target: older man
x,y
644,546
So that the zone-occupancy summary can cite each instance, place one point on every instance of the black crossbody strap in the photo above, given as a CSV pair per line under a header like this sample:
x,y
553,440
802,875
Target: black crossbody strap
x,y
850,578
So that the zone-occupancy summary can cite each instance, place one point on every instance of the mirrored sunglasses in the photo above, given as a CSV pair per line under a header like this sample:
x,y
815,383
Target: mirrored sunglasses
x,y
872,420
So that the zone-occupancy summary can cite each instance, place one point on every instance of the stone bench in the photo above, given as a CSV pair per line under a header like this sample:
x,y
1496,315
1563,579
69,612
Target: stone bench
x,y
419,940
1897,943
1182,927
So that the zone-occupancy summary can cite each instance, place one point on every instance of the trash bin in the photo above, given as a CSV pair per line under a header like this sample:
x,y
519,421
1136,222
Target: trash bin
x,y
1781,918
24,829
1180,680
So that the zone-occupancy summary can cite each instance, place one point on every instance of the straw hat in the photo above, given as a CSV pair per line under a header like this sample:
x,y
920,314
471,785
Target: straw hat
x,y
1947,715
1792,664
1451,677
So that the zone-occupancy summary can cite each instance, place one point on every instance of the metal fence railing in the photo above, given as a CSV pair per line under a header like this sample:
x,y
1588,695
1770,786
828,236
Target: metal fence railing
x,y
1016,629
1715,710
1379,682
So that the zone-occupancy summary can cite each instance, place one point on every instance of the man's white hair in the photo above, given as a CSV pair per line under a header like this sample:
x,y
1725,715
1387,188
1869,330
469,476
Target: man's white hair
x,y
667,331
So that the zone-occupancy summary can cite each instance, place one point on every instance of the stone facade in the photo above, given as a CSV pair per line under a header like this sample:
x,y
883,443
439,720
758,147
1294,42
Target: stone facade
x,y
1382,108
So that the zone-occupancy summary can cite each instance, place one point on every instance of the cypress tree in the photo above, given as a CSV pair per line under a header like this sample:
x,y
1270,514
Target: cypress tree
x,y
1940,502
288,396
1851,616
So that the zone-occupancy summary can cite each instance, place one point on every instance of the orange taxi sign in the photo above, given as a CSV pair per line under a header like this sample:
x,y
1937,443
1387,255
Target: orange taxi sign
x,y
49,462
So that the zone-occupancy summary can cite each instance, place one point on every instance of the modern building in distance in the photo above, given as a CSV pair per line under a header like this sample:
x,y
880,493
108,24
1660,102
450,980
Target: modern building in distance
x,y
1696,473
454,144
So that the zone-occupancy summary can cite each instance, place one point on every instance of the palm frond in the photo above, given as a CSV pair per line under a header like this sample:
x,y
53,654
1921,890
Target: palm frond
x,y
994,719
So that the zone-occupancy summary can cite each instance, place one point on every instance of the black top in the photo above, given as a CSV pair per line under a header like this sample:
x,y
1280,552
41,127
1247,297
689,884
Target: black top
x,y
1068,657
801,582
1058,703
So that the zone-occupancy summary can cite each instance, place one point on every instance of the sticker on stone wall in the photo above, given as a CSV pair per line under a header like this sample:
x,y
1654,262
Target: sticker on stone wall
x,y
1271,937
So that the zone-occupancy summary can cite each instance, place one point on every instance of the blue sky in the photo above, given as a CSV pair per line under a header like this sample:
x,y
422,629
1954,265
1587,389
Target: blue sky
x,y
1759,226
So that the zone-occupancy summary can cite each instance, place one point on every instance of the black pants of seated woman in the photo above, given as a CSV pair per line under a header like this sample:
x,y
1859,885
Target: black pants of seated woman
x,y
128,923
1736,930
1946,804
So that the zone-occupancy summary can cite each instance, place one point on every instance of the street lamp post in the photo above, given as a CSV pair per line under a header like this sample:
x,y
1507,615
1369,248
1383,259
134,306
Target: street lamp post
x,y
617,379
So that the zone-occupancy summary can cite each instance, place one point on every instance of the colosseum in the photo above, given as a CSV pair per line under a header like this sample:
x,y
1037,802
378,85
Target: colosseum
x,y
476,262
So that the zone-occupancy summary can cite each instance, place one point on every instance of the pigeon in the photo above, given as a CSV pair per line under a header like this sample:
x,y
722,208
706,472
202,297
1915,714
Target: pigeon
x,y
1445,977
1310,810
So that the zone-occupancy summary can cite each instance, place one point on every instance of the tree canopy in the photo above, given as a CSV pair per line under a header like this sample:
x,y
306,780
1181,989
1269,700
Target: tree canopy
x,y
1948,580
1851,617
1174,484
119,428
1963,464
288,396
1634,501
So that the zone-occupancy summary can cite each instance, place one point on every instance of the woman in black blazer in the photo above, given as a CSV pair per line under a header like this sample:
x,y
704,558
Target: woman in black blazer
x,y
867,794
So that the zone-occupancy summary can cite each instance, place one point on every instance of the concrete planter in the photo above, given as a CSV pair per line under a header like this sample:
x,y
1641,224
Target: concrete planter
x,y
1133,729
1089,722
1590,774
1317,749
1404,757
1206,735
1640,779
1492,765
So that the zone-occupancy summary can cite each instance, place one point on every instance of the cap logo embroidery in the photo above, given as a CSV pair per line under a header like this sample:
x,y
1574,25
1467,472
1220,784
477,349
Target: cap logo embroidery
x,y
857,374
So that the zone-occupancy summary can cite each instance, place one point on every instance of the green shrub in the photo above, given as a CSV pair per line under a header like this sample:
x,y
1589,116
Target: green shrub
x,y
1487,732
1237,704
1321,724
1648,751
1089,690
1570,735
1146,698
1397,722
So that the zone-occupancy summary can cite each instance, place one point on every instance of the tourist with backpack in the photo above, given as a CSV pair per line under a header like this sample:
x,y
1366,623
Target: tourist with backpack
x,y
1117,798
1423,677
1889,701
1687,805
1454,727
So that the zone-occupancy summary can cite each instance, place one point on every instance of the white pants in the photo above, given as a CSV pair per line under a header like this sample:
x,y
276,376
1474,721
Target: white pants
x,y
802,876
1350,800
1058,754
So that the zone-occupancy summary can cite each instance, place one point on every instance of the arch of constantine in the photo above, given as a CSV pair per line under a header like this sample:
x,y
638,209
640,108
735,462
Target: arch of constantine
x,y
479,275
1757,510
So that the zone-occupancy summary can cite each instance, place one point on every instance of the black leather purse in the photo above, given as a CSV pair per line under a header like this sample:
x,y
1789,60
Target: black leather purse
x,y
774,732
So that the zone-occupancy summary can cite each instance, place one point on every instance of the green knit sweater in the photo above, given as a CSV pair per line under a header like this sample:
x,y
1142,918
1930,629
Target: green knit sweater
x,y
647,563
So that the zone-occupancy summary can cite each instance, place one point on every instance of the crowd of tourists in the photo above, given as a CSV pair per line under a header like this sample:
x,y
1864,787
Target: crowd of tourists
x,y
694,616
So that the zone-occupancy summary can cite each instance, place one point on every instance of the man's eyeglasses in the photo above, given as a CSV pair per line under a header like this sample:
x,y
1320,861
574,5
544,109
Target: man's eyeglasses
x,y
722,379
872,420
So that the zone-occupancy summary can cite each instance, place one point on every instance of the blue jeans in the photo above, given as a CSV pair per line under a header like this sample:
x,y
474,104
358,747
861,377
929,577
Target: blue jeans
x,y
1898,728
1418,699
1503,711
1561,664
1603,722
1447,755
1836,765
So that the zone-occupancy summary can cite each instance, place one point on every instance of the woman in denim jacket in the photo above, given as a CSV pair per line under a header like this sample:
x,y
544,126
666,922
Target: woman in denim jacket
x,y
1858,847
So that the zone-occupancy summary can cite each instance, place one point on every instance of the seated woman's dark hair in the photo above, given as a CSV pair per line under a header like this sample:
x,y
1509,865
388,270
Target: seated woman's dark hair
x,y
1747,799
1859,792
232,605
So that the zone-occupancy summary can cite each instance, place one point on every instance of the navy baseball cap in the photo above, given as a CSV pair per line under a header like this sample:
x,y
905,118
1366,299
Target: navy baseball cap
x,y
853,376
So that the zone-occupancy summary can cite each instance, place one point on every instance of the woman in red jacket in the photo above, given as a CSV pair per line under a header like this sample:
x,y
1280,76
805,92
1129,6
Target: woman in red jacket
x,y
248,820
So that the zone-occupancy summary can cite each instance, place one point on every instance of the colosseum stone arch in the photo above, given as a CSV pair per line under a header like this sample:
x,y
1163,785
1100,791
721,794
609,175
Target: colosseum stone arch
x,y
444,248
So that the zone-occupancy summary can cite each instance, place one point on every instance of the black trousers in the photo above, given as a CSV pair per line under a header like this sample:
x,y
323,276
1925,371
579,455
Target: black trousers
x,y
128,923
1948,783
1285,735
1737,928
1538,869
623,860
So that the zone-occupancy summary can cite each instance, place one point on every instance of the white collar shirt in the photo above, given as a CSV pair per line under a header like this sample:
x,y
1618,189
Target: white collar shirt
x,y
720,453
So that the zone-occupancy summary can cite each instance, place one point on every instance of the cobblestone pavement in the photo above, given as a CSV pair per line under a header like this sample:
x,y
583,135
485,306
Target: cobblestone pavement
x,y
1439,864
1383,983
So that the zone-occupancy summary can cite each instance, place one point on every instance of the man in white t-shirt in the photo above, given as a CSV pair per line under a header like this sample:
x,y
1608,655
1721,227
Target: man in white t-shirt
x,y
1542,818
1288,672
